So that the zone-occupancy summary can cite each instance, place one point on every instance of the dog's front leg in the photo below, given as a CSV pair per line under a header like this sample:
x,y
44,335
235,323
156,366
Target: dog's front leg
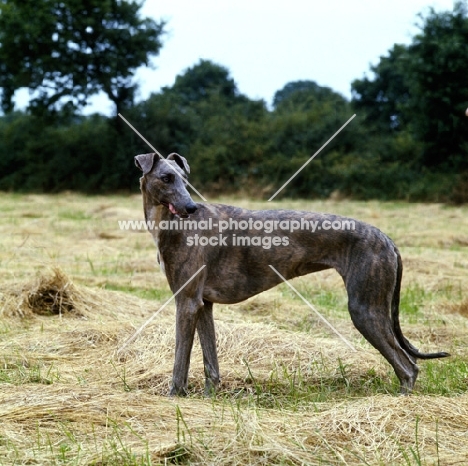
x,y
187,315
207,335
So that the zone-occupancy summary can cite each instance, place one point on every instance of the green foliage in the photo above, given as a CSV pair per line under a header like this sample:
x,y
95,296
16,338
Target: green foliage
x,y
304,95
205,118
305,117
421,90
439,95
382,98
228,149
408,140
81,155
203,80
67,51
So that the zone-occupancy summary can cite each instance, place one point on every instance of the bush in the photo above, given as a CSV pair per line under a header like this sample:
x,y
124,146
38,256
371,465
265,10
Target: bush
x,y
82,155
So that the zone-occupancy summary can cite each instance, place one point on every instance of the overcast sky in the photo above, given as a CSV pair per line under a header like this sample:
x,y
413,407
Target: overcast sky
x,y
266,44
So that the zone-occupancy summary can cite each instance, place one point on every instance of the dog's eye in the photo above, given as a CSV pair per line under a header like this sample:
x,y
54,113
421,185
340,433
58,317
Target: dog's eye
x,y
166,179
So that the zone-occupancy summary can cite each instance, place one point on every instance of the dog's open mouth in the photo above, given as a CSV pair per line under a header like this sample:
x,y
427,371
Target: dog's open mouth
x,y
174,211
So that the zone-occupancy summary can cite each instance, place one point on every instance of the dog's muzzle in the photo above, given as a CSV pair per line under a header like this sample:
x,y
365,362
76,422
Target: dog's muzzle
x,y
188,209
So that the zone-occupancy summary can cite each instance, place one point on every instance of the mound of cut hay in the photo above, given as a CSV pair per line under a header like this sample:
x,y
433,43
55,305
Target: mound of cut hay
x,y
52,294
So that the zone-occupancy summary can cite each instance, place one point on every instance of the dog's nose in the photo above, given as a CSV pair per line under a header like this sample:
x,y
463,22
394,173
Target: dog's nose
x,y
191,208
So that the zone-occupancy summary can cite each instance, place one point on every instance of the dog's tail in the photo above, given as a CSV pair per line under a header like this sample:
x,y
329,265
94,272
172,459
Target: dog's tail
x,y
405,344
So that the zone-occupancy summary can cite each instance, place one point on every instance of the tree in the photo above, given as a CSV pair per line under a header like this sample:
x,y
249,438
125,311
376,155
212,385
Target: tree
x,y
205,116
66,51
302,95
436,76
305,115
421,89
383,98
202,80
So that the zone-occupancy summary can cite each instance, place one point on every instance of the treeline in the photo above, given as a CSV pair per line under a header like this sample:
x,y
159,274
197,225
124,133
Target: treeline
x,y
408,141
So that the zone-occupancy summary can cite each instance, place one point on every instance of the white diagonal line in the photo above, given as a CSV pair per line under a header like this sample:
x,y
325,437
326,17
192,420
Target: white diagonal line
x,y
133,337
157,152
313,308
308,161
139,134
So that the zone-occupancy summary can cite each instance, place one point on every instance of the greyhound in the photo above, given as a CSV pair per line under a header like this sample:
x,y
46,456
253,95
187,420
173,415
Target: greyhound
x,y
367,260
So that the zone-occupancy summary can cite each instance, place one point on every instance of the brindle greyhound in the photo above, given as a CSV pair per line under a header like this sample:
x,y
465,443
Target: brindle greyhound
x,y
366,259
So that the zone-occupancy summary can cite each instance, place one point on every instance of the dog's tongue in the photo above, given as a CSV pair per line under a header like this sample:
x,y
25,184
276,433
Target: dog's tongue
x,y
172,209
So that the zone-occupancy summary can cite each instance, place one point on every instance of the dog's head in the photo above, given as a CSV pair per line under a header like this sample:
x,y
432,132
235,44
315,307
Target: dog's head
x,y
164,182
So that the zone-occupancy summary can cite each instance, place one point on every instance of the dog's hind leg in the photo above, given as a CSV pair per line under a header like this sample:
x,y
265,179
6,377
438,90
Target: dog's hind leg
x,y
207,335
376,326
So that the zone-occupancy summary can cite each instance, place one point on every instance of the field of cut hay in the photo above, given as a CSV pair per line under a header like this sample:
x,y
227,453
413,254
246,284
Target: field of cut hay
x,y
74,287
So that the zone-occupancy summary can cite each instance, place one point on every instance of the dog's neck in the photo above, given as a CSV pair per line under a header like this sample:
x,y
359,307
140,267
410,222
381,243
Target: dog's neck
x,y
155,214
156,217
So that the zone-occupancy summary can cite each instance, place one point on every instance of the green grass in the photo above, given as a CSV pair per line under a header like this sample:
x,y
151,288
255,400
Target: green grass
x,y
144,293
298,387
448,377
23,372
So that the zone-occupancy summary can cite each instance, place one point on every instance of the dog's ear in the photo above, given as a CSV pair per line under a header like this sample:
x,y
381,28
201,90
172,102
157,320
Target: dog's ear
x,y
145,162
181,161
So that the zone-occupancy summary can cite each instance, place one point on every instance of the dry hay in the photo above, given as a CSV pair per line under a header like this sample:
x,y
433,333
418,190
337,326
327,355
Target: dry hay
x,y
46,295
92,424
70,396
459,308
251,356
54,293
